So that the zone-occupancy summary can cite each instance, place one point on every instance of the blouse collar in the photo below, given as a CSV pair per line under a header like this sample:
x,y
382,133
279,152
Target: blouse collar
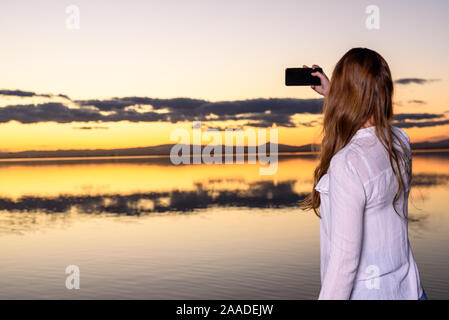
x,y
364,132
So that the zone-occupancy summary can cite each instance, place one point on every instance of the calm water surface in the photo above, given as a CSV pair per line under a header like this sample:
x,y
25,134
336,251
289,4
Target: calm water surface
x,y
145,229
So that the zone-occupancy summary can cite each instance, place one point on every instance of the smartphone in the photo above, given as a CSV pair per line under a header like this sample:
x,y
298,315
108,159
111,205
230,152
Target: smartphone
x,y
302,77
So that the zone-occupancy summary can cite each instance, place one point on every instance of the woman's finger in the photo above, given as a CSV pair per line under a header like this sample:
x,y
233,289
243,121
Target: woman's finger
x,y
319,75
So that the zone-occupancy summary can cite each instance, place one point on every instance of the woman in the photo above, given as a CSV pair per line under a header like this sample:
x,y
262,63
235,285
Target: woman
x,y
361,186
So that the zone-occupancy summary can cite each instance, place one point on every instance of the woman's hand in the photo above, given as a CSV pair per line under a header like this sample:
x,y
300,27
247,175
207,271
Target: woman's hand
x,y
322,89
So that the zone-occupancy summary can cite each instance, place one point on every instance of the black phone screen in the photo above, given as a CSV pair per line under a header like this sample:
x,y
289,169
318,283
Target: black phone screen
x,y
301,77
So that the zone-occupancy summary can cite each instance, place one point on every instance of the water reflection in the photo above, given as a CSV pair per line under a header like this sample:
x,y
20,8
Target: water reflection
x,y
242,234
146,185
256,195
429,179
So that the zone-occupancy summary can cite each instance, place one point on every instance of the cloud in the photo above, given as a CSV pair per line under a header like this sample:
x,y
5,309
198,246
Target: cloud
x,y
47,112
64,96
406,81
89,128
122,103
417,101
20,93
260,112
250,113
417,116
309,124
421,124
203,107
28,94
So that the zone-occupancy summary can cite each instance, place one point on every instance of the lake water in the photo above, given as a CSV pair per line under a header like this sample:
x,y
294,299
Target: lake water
x,y
141,228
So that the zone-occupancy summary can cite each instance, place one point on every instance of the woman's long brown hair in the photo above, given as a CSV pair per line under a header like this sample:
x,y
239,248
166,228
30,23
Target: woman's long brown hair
x,y
361,89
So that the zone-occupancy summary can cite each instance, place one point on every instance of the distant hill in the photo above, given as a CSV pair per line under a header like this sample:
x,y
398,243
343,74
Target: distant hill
x,y
143,151
164,149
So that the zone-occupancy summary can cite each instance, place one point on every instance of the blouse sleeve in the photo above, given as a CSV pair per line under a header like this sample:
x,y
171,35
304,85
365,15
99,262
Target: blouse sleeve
x,y
347,204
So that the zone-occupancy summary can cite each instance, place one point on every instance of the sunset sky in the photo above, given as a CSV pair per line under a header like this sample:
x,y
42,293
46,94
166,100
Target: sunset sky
x,y
136,70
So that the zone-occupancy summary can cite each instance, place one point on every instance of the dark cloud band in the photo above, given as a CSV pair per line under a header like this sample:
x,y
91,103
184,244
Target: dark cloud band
x,y
414,80
252,112
417,116
415,124
23,94
261,112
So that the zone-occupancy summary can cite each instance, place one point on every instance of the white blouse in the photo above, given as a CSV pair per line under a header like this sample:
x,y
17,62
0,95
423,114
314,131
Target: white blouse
x,y
365,251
